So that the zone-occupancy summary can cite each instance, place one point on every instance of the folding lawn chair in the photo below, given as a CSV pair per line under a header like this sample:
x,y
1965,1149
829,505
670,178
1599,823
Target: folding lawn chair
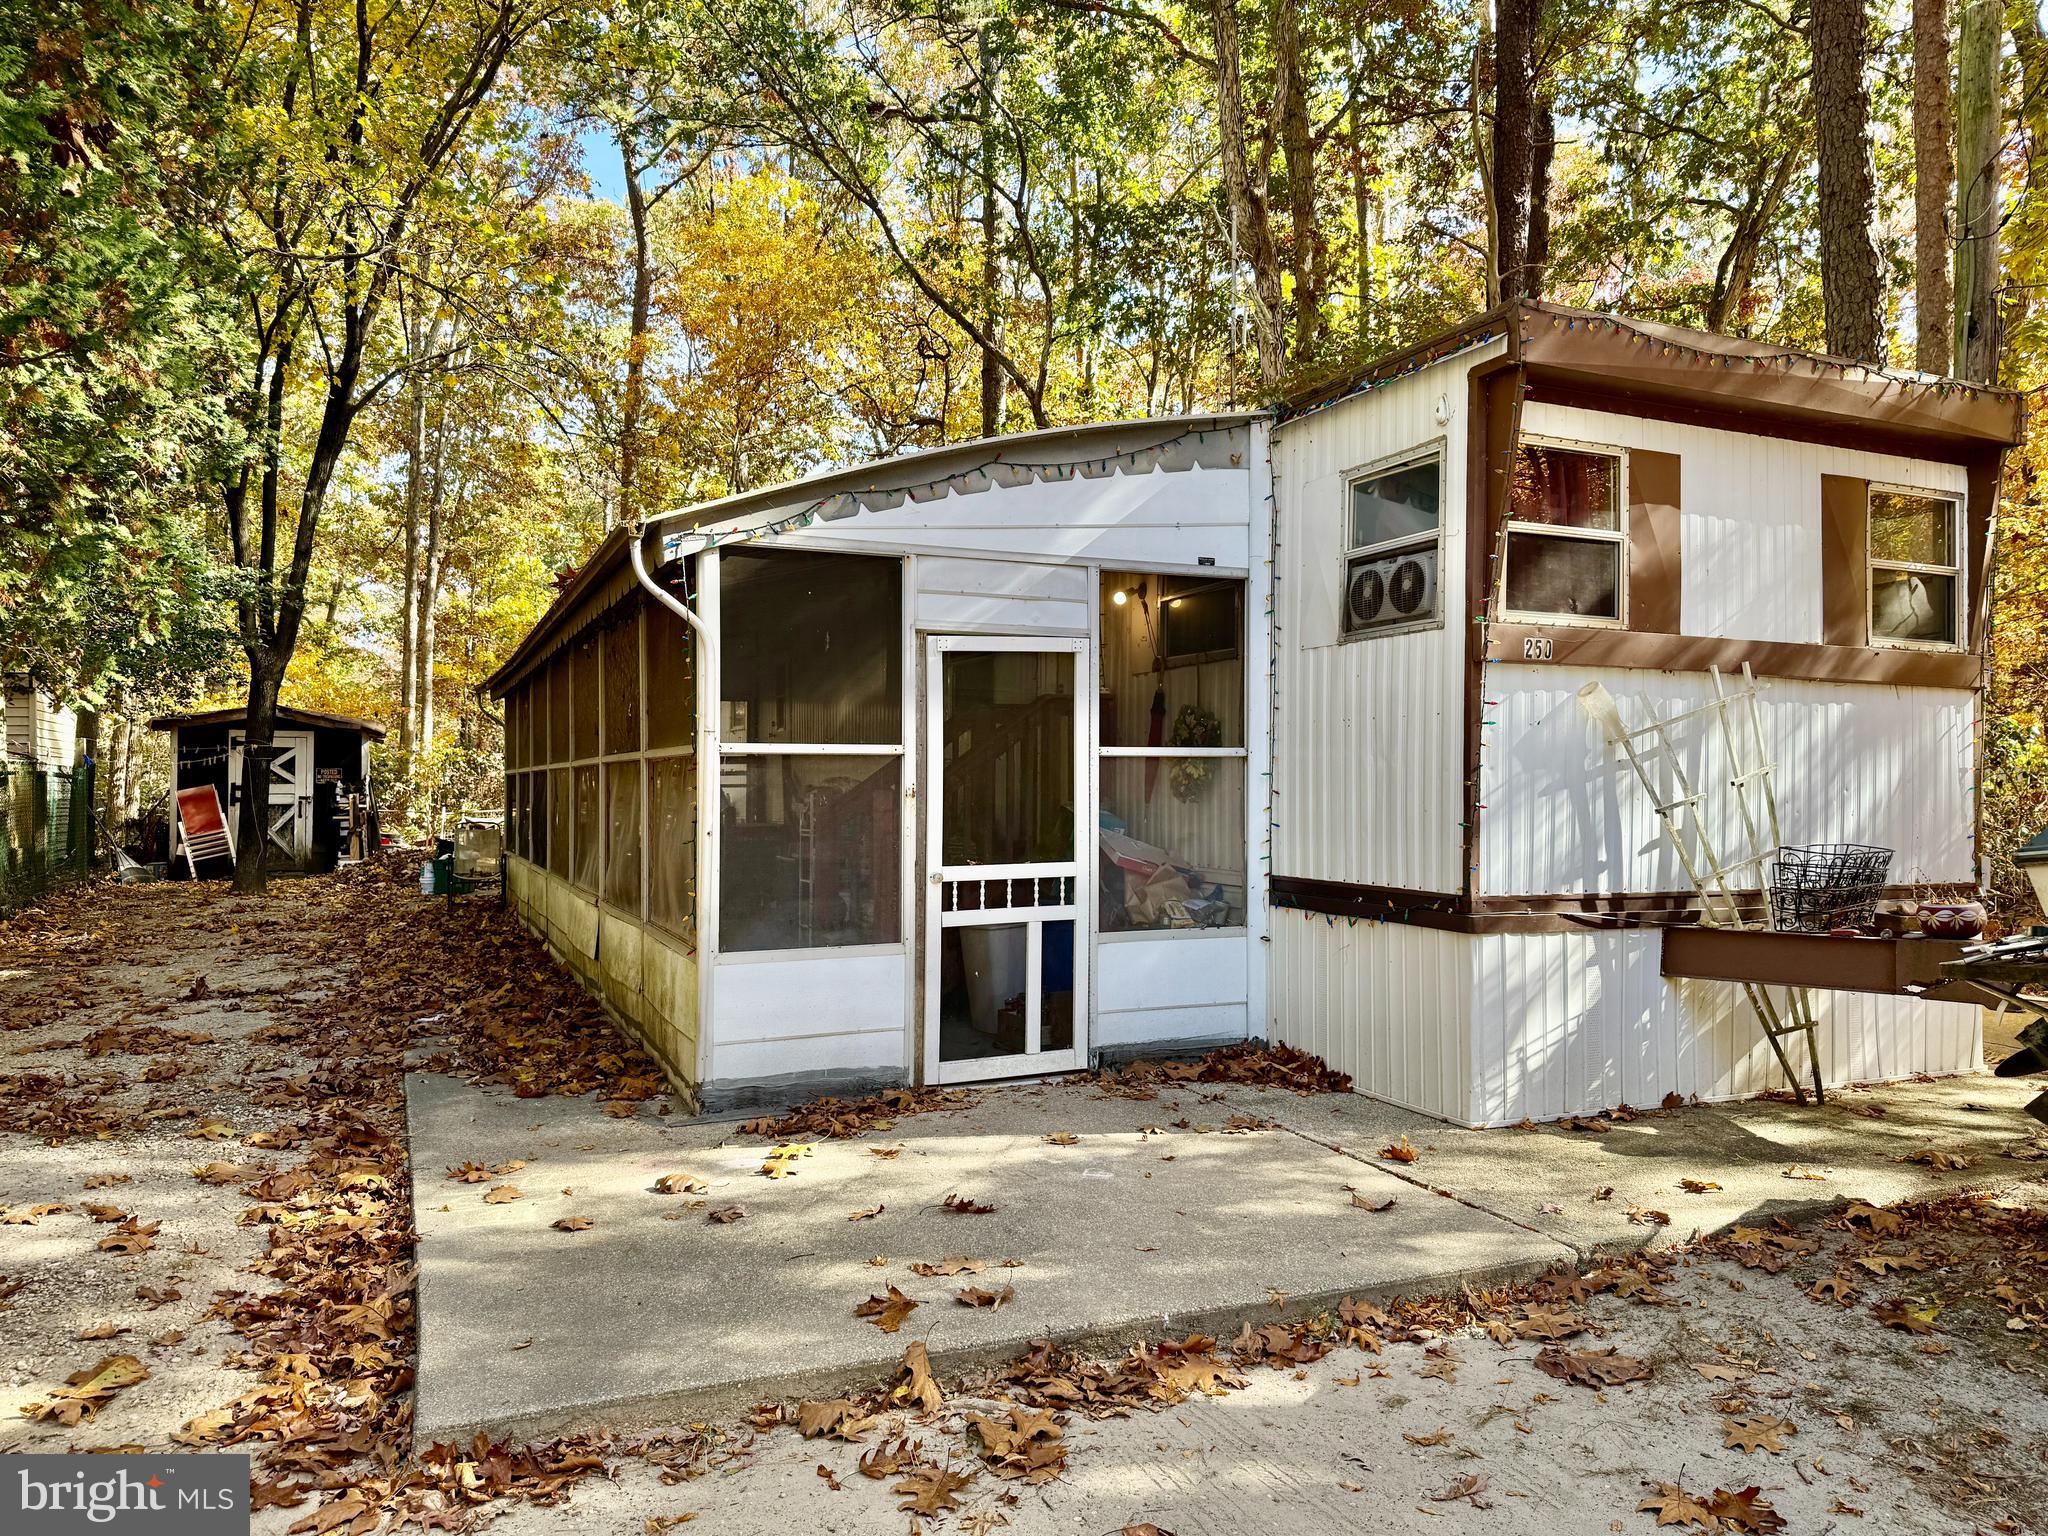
x,y
202,829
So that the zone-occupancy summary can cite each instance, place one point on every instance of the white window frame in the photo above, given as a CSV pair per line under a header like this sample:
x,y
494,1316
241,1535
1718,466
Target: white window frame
x,y
1618,536
1166,754
734,751
1408,458
1954,571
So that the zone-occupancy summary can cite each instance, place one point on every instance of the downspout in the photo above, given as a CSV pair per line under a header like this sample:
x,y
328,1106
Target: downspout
x,y
668,599
707,774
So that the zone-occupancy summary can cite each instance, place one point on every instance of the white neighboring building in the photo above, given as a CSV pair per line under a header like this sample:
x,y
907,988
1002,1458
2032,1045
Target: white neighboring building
x,y
39,732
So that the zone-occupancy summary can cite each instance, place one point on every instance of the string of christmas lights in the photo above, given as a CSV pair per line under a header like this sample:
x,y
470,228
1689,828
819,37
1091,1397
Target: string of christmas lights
x,y
1760,362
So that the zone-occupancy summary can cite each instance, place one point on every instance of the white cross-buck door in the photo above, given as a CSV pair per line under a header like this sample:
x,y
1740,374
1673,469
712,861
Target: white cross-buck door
x,y
288,818
1006,891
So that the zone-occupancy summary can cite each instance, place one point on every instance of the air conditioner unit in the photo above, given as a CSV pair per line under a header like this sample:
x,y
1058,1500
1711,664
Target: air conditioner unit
x,y
1387,591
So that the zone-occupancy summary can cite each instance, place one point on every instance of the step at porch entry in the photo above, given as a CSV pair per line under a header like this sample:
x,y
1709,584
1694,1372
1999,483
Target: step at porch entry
x,y
1006,891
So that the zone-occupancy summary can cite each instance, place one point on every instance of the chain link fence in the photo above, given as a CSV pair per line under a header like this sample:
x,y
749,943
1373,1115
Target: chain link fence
x,y
45,829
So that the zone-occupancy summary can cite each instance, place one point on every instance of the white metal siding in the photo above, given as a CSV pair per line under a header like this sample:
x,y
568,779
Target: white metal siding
x,y
1178,986
815,1012
1145,520
1013,597
1368,757
1567,1023
1749,516
1389,1003
1855,763
38,731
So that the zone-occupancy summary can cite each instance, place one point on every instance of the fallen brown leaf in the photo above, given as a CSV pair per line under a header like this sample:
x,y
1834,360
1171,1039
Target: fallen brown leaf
x,y
887,1311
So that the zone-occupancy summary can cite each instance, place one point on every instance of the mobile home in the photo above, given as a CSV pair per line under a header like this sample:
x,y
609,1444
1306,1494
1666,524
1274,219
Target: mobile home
x,y
1477,912
1008,757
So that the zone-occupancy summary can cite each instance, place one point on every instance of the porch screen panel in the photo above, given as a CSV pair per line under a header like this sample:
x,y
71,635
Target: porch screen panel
x,y
811,851
812,650
622,851
559,800
558,709
587,823
583,698
622,687
537,831
811,656
1171,840
515,814
672,845
671,680
515,730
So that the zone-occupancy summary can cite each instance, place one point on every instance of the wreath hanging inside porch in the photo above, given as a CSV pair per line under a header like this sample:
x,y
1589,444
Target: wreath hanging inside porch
x,y
1194,726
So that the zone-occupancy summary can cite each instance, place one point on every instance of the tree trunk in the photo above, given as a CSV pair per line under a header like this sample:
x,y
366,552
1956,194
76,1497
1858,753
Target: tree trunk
x,y
259,731
1979,122
1852,299
114,749
1737,267
1244,185
1361,213
991,255
1933,322
1482,147
408,600
632,407
1514,107
1542,149
1290,110
432,559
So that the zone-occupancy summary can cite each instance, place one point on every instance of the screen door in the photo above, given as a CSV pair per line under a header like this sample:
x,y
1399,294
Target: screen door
x,y
1005,948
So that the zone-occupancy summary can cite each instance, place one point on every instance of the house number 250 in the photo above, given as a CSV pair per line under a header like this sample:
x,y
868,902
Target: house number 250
x,y
1536,648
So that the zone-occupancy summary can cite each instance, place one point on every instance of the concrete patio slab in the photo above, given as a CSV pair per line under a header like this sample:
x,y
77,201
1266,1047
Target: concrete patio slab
x,y
1126,1233
1767,1158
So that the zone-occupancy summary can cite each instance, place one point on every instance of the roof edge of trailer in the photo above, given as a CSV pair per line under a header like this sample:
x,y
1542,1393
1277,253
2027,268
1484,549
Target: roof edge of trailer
x,y
286,714
878,476
1652,361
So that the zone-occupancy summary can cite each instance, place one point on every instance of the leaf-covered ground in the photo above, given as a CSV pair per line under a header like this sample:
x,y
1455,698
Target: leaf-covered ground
x,y
205,1242
202,1167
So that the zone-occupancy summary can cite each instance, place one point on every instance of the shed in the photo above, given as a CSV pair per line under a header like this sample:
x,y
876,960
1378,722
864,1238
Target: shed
x,y
319,780
958,772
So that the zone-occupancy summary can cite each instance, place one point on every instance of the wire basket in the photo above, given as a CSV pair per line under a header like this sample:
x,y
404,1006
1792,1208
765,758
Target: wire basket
x,y
1826,886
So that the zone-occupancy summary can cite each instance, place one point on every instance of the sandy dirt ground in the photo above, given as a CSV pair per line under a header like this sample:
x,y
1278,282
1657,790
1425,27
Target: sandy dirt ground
x,y
1888,1438
1910,1397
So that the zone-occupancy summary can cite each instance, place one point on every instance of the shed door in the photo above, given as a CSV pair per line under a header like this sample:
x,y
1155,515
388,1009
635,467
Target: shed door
x,y
1005,948
288,819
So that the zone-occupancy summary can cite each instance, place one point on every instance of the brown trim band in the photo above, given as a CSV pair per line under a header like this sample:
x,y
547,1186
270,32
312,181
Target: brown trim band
x,y
1551,385
1844,560
1494,426
1563,912
1586,647
1449,912
1655,578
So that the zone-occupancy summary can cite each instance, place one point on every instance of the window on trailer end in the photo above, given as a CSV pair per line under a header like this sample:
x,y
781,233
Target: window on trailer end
x,y
1566,534
1915,567
1394,517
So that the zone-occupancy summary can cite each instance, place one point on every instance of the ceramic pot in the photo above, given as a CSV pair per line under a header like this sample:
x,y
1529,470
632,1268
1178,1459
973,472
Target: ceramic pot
x,y
1952,919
